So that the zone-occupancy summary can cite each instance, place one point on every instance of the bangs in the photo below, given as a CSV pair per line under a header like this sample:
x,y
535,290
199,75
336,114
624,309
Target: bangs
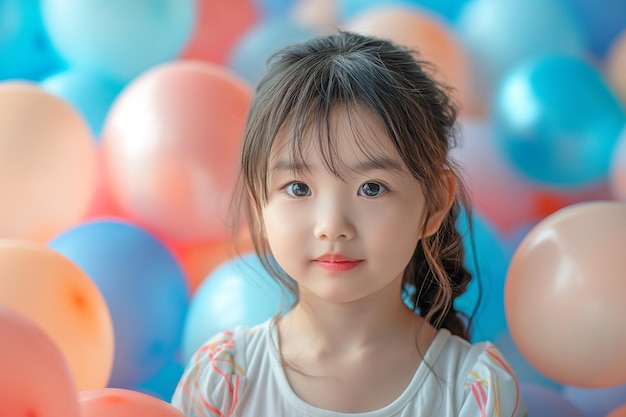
x,y
319,131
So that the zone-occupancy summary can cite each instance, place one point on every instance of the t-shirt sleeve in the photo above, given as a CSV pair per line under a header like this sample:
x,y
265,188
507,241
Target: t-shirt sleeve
x,y
491,387
212,380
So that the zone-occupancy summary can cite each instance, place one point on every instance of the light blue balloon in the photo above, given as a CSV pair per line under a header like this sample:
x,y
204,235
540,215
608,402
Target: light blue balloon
x,y
91,94
238,292
274,8
144,288
487,260
119,38
249,56
557,122
500,34
25,50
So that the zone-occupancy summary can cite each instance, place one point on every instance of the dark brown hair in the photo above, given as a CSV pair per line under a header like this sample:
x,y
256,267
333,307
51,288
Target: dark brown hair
x,y
304,82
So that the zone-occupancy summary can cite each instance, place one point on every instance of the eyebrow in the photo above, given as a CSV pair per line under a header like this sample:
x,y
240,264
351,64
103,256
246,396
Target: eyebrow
x,y
371,164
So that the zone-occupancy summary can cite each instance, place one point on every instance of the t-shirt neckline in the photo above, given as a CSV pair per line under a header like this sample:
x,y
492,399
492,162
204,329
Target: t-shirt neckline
x,y
407,395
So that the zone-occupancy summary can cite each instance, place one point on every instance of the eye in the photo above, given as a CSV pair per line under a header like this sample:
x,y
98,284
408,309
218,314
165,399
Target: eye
x,y
372,189
297,189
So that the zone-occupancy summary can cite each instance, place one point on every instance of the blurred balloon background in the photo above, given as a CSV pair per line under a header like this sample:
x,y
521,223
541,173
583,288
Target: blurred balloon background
x,y
120,125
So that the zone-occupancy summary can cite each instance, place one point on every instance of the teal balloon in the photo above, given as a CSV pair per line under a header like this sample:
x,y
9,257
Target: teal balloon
x,y
25,49
144,287
91,94
118,38
446,9
487,260
557,121
238,292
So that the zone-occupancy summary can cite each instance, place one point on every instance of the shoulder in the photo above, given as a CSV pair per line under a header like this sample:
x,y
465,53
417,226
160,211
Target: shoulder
x,y
487,382
214,377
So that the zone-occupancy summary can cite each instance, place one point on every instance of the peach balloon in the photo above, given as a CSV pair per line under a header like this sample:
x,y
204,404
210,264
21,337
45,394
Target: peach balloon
x,y
171,145
219,26
47,163
118,402
34,380
564,295
58,296
619,411
424,32
615,67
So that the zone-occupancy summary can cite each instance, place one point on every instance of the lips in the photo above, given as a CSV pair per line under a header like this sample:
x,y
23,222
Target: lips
x,y
337,262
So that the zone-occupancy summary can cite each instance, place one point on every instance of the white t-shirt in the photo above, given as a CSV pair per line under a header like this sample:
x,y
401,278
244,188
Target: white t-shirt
x,y
239,373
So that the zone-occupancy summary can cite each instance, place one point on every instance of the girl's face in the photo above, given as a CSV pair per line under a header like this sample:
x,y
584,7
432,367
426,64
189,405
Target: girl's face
x,y
349,238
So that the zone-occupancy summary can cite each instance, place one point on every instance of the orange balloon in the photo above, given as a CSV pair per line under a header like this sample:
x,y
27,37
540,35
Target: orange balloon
x,y
615,67
171,146
47,163
34,380
118,402
57,295
219,26
564,295
618,412
430,36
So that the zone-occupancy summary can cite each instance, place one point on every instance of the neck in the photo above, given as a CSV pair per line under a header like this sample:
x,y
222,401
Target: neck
x,y
326,327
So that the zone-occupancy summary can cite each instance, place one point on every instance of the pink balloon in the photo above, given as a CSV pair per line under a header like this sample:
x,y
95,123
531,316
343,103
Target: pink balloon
x,y
47,163
118,402
34,380
171,144
564,295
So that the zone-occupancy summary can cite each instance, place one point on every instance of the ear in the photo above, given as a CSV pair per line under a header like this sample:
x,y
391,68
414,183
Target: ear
x,y
447,199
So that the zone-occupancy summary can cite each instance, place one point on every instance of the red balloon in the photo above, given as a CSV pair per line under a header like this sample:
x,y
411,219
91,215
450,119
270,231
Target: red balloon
x,y
118,402
219,26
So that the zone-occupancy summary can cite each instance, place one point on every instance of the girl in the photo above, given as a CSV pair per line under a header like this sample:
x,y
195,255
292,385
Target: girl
x,y
352,203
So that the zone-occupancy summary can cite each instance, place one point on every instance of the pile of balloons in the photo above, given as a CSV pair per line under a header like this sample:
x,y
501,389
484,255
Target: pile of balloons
x,y
120,127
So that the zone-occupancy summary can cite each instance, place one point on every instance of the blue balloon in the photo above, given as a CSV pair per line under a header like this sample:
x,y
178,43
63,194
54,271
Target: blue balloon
x,y
603,21
144,287
557,121
249,56
596,402
91,94
546,402
25,49
238,292
119,38
487,261
163,384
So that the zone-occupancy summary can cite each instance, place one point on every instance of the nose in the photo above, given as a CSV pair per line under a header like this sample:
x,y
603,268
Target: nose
x,y
334,221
